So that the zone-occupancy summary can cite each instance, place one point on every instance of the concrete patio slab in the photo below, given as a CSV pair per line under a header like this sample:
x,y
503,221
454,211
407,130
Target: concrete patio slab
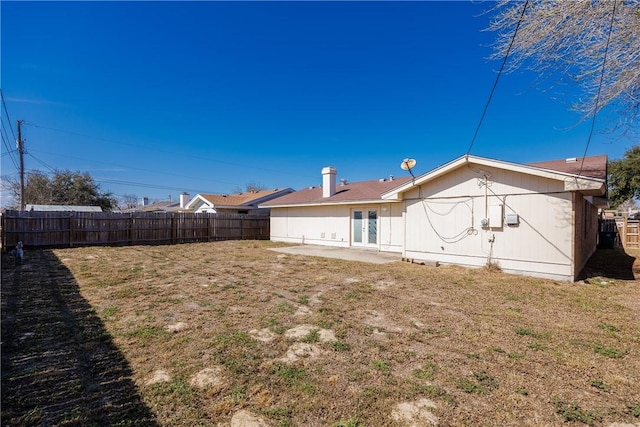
x,y
349,254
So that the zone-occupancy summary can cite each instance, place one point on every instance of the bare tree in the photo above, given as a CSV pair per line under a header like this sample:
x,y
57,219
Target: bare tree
x,y
129,201
251,186
595,43
628,205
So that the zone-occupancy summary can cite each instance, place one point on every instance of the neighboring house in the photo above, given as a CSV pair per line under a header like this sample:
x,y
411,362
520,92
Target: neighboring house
x,y
159,206
238,203
62,208
537,220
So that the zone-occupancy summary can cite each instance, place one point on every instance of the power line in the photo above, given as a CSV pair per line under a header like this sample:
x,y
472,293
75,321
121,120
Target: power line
x,y
140,184
9,151
51,168
121,182
595,108
7,112
244,165
495,83
132,167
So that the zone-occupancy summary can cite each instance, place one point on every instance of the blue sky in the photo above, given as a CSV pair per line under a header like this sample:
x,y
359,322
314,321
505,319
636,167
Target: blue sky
x,y
156,98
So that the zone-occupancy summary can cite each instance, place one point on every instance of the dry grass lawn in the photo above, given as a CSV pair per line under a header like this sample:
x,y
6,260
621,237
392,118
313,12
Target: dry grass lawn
x,y
199,334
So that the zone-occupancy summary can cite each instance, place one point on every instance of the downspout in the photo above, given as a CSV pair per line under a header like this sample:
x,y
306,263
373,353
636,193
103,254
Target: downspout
x,y
486,199
573,235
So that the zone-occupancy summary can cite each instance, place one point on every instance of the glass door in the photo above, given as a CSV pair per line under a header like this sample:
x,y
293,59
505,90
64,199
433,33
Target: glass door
x,y
364,227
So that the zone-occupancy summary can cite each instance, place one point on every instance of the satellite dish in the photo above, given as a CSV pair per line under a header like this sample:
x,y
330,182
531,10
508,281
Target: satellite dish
x,y
408,164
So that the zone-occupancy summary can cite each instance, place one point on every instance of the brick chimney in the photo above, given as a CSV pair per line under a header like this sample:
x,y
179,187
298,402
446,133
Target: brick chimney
x,y
328,181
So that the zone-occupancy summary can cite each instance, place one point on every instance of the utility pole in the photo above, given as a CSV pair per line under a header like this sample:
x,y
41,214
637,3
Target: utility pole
x,y
21,152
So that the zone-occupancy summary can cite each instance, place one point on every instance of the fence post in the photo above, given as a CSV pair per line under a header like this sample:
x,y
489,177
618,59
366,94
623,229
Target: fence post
x,y
173,229
3,230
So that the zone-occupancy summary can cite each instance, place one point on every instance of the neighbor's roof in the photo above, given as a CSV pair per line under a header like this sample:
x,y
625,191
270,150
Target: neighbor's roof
x,y
242,199
348,193
162,206
63,208
593,166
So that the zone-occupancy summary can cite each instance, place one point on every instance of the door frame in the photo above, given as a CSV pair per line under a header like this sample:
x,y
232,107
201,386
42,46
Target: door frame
x,y
364,227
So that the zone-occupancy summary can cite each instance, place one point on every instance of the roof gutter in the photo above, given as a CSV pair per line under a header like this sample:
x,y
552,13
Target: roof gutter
x,y
347,202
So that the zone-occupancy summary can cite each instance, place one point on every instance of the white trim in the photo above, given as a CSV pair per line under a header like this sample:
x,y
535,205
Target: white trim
x,y
199,198
583,184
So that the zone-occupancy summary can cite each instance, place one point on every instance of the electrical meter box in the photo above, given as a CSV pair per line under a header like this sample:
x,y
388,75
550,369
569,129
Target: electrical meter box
x,y
495,216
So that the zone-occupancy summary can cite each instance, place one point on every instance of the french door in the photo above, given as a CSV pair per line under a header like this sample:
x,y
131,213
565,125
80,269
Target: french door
x,y
364,227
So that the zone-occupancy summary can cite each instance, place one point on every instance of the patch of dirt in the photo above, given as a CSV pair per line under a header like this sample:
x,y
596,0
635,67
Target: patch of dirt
x,y
301,350
245,418
176,327
159,376
264,335
303,331
214,379
416,414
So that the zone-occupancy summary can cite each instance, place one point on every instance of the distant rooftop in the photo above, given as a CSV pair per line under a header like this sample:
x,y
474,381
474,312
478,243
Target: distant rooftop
x,y
63,208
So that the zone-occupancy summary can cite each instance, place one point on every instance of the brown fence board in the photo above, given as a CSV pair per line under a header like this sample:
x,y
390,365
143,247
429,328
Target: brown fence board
x,y
67,229
627,231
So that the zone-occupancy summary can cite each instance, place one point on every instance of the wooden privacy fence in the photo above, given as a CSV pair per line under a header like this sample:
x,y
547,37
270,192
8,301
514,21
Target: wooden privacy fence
x,y
67,229
627,231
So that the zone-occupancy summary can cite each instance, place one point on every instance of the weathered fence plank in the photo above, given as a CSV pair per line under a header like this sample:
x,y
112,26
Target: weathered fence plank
x,y
66,229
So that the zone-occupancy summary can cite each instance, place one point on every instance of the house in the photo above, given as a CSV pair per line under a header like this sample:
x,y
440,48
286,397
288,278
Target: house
x,y
238,203
160,206
538,220
62,208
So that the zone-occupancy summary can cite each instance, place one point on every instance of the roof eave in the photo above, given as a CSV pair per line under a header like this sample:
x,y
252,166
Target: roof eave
x,y
586,185
191,204
329,203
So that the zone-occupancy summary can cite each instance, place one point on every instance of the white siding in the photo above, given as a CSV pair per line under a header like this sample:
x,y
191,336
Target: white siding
x,y
331,225
315,225
391,227
443,222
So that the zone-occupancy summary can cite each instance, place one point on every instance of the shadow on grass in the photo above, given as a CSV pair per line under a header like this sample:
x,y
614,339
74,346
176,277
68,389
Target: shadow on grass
x,y
609,263
59,365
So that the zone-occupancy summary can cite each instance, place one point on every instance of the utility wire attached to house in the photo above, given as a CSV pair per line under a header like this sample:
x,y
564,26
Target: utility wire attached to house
x,y
495,83
595,108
